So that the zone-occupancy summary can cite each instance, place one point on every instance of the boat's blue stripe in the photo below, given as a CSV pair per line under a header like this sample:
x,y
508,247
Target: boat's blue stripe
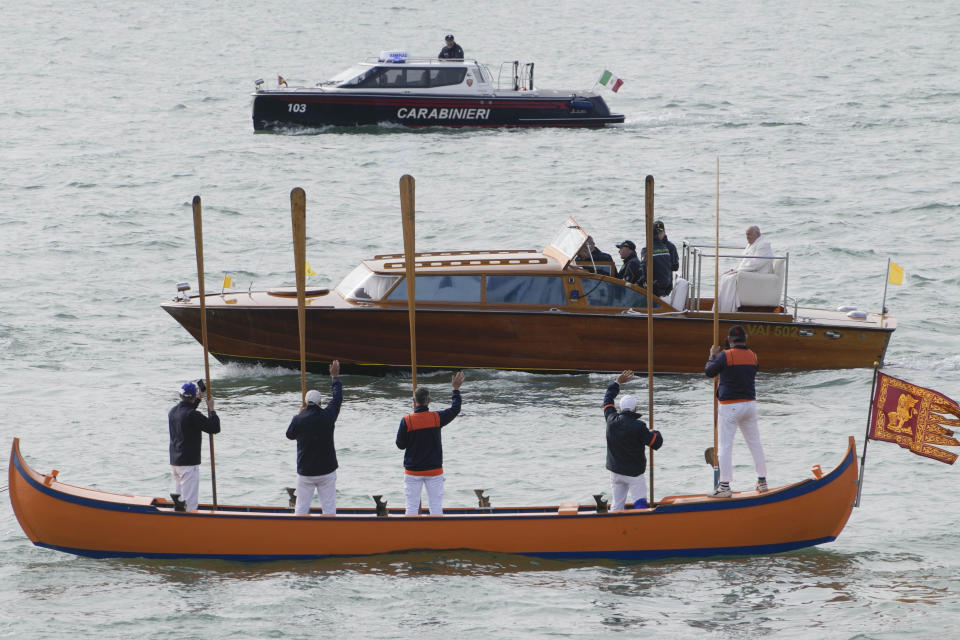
x,y
625,554
807,486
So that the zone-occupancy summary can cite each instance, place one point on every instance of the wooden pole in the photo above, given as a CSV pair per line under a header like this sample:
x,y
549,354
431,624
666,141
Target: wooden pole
x,y
298,218
648,205
198,240
407,207
866,436
716,325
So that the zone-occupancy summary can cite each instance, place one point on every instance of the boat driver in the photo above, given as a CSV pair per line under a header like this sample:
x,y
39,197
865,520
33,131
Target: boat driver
x,y
451,50
186,437
630,271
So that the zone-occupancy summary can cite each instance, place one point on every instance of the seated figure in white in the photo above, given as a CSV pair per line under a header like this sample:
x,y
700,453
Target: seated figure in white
x,y
758,248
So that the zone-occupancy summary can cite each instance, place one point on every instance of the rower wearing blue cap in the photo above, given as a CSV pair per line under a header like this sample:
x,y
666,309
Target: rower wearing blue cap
x,y
187,426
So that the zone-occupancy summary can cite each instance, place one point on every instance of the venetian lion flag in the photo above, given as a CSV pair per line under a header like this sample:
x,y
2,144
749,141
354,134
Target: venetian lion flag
x,y
915,418
611,81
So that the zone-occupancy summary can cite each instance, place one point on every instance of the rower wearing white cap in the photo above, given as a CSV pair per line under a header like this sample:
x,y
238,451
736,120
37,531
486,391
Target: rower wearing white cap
x,y
627,438
312,428
186,438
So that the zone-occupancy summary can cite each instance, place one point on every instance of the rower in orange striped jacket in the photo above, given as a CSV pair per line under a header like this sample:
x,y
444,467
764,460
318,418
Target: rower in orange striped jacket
x,y
737,367
419,436
627,437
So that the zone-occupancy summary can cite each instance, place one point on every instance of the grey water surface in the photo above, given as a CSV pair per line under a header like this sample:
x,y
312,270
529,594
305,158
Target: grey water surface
x,y
837,128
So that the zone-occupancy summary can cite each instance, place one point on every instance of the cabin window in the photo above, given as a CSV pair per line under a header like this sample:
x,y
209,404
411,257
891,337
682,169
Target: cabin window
x,y
526,290
364,285
601,293
399,77
441,289
447,77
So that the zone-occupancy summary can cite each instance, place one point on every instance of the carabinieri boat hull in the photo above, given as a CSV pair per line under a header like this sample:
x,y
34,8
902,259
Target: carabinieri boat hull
x,y
427,92
99,524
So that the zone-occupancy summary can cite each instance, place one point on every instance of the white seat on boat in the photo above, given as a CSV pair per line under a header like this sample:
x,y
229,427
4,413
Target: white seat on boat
x,y
678,297
761,289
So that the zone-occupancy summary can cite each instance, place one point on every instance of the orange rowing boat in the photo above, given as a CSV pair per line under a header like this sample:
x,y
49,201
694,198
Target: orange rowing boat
x,y
99,524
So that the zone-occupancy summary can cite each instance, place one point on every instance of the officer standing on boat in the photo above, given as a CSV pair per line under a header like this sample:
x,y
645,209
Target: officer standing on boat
x,y
451,50
630,271
419,437
737,367
187,426
312,428
627,439
665,261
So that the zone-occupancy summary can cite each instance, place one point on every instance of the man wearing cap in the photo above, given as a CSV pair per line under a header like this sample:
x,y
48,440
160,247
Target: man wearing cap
x,y
631,264
665,261
451,50
186,437
627,438
737,367
312,428
419,437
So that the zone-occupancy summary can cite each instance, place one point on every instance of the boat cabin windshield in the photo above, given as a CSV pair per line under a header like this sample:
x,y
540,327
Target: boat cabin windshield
x,y
364,285
567,242
393,76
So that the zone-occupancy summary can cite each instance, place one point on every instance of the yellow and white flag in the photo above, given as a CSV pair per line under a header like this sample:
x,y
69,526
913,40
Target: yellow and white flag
x,y
896,273
309,270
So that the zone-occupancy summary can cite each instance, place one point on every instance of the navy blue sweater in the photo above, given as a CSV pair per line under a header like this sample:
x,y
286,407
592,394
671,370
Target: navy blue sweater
x,y
737,367
312,428
423,449
186,432
627,435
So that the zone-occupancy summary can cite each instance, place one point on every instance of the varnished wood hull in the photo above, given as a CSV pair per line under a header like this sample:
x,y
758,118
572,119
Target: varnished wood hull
x,y
373,339
99,524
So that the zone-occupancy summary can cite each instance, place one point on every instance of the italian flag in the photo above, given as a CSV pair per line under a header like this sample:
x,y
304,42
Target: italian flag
x,y
611,81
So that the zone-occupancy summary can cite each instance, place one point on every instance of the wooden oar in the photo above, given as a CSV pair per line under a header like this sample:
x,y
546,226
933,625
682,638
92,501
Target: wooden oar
x,y
198,239
407,190
716,323
298,217
648,202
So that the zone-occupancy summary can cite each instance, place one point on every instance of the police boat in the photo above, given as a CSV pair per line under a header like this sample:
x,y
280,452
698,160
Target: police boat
x,y
397,89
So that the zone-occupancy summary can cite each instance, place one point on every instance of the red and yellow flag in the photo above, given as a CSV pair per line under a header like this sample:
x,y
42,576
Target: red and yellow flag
x,y
914,417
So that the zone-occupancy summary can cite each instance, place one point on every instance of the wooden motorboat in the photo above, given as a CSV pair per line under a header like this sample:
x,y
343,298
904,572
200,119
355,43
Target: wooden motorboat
x,y
426,92
99,524
526,310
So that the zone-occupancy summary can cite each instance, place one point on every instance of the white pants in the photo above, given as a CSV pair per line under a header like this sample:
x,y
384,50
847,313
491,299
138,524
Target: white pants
x,y
187,480
635,485
413,487
729,301
743,415
326,488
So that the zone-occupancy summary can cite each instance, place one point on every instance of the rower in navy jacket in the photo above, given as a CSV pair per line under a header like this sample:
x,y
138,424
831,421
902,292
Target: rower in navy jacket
x,y
312,428
627,437
187,426
419,436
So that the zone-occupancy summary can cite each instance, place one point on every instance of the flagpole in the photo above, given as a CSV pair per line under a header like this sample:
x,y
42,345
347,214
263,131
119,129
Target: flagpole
x,y
886,282
866,436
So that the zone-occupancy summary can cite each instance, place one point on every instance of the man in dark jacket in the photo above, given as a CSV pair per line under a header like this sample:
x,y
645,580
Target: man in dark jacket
x,y
186,437
451,50
665,261
312,428
419,436
737,367
627,437
630,271
591,258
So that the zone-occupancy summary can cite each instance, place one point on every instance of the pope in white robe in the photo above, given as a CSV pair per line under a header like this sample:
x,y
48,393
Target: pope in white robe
x,y
753,260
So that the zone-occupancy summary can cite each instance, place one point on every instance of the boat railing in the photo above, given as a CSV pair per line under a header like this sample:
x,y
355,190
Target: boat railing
x,y
420,60
692,265
519,76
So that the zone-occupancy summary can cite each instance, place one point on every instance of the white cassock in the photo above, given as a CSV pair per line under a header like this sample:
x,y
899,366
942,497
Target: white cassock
x,y
729,298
